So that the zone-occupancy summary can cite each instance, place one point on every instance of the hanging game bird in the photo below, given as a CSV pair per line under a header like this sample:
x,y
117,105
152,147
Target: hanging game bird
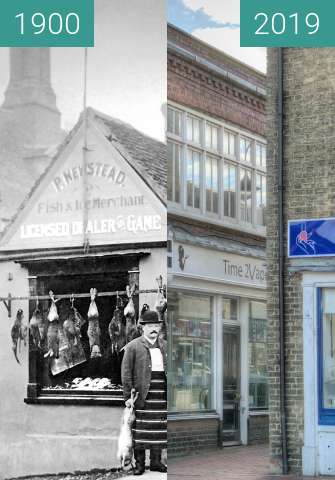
x,y
36,329
18,333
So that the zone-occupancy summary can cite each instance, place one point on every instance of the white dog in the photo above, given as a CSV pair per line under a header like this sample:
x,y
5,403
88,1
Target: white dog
x,y
125,447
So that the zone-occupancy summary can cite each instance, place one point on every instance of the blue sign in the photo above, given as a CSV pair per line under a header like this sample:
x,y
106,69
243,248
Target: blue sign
x,y
311,238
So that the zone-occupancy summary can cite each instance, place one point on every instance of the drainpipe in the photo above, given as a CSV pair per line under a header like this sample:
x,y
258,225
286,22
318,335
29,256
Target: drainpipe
x,y
281,259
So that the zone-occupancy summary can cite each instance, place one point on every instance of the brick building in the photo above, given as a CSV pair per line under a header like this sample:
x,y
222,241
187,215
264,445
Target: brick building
x,y
216,258
301,152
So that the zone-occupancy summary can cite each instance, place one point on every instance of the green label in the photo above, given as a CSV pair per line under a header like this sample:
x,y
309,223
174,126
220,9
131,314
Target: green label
x,y
47,23
287,23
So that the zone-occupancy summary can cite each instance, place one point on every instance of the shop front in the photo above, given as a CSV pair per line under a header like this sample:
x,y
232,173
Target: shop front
x,y
82,258
217,350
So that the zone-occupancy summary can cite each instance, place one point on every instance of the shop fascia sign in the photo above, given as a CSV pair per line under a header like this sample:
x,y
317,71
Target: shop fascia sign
x,y
311,238
196,261
120,207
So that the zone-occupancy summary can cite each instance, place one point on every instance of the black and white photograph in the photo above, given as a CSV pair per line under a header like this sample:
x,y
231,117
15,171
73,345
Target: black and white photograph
x,y
83,252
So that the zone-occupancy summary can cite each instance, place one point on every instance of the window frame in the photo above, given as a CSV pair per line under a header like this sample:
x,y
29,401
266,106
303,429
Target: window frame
x,y
326,416
211,407
175,111
201,180
266,407
202,213
212,157
173,179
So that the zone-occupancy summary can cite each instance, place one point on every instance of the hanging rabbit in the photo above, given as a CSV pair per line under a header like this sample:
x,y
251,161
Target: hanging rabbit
x,y
37,328
125,444
130,313
116,328
71,326
53,329
93,331
18,333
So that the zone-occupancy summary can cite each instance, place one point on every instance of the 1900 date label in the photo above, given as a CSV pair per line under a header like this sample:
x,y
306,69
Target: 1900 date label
x,y
47,23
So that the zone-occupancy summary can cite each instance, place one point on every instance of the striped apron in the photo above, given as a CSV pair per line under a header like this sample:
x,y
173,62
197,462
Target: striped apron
x,y
150,428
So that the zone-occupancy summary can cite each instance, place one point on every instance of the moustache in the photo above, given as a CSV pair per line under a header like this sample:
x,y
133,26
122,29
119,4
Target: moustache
x,y
153,331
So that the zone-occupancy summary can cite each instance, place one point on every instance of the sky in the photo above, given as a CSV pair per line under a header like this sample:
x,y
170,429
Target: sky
x,y
217,23
126,68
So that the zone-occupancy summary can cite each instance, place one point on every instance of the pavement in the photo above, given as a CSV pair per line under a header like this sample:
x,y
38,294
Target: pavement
x,y
148,476
230,463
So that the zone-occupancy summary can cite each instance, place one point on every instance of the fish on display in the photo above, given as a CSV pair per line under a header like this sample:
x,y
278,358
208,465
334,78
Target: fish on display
x,y
93,331
18,333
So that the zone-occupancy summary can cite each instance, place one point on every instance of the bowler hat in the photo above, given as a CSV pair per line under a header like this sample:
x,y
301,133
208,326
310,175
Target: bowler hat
x,y
150,316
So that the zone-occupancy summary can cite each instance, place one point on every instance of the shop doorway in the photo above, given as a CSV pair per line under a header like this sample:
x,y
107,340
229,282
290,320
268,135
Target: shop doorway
x,y
231,385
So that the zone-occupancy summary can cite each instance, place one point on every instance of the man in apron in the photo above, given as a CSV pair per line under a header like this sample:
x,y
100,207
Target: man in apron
x,y
144,368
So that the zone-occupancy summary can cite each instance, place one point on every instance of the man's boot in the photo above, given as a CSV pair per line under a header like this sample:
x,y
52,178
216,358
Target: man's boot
x,y
139,454
156,464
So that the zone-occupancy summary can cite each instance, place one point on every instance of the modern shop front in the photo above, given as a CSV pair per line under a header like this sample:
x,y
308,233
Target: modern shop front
x,y
217,350
91,237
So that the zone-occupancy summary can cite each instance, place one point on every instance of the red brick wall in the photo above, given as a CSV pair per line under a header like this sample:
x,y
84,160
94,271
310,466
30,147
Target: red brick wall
x,y
187,436
198,88
214,55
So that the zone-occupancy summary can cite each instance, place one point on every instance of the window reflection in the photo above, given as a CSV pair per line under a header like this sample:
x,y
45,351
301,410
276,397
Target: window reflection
x,y
193,179
328,338
190,371
258,372
212,185
173,171
246,199
229,188
193,129
245,150
260,199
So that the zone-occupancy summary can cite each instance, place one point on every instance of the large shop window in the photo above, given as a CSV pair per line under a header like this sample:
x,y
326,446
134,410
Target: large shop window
x,y
258,373
87,366
326,350
190,346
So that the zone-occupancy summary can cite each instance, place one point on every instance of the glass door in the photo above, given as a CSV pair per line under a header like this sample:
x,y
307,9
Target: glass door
x,y
231,385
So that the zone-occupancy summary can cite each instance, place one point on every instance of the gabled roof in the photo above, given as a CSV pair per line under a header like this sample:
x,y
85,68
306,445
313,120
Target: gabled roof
x,y
145,154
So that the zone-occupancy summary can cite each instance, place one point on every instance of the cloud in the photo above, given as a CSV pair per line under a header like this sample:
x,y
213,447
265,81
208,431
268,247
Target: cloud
x,y
228,40
224,11
217,23
189,19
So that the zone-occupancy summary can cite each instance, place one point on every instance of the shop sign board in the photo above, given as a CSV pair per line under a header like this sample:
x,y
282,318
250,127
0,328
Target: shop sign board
x,y
106,201
199,262
311,238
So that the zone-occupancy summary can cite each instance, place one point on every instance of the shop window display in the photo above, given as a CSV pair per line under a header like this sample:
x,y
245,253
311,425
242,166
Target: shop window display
x,y
190,359
76,343
258,375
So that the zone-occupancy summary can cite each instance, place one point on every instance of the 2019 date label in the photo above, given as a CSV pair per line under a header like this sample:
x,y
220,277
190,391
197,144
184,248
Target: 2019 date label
x,y
286,23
